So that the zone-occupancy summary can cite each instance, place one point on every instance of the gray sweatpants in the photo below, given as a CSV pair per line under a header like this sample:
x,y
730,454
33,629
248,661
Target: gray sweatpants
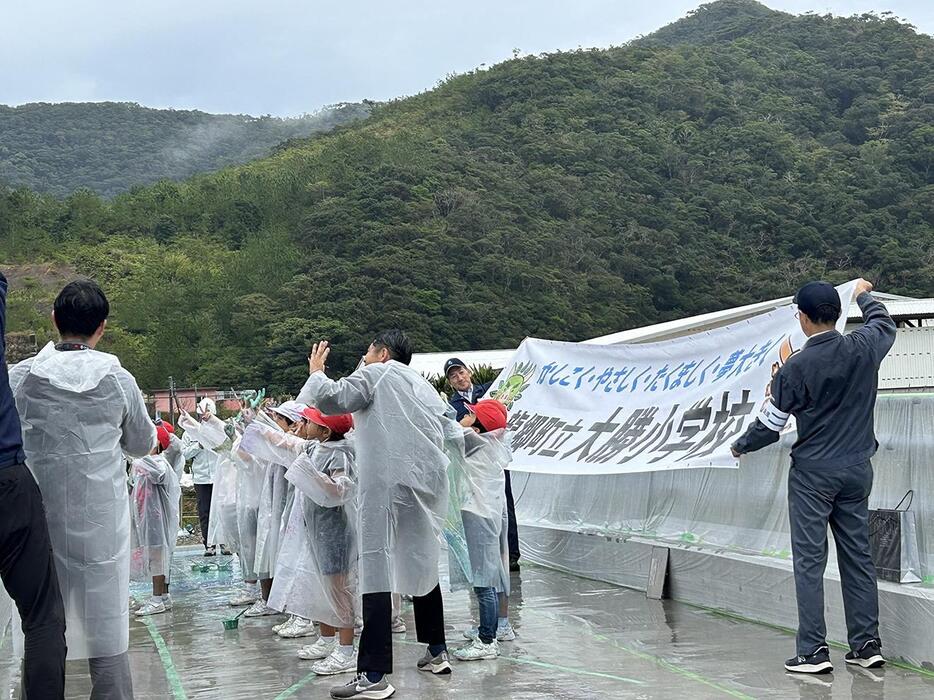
x,y
840,498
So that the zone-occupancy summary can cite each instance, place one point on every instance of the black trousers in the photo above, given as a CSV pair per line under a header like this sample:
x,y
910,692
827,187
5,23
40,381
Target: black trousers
x,y
513,527
203,495
28,572
375,653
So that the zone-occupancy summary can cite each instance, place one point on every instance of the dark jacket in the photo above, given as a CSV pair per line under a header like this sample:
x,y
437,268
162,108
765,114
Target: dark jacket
x,y
459,403
830,388
11,435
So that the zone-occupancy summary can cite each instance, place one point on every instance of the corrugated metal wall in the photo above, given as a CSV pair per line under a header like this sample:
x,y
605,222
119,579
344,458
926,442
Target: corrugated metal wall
x,y
910,363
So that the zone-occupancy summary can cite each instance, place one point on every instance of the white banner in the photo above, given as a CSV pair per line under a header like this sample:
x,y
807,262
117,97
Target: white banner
x,y
675,404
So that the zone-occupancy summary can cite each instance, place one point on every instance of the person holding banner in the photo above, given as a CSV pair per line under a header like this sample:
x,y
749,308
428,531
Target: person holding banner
x,y
830,388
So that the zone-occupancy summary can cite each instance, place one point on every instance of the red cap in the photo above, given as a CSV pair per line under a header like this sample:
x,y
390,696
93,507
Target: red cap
x,y
163,431
490,413
338,424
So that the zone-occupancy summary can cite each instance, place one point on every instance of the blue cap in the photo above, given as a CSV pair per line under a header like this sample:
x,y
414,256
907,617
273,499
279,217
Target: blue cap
x,y
451,364
816,294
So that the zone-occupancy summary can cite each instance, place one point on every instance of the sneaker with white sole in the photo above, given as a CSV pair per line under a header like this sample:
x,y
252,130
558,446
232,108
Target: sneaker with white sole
x,y
506,633
477,651
440,665
153,606
398,625
167,601
300,627
260,609
242,598
282,625
360,687
336,662
815,662
319,650
868,656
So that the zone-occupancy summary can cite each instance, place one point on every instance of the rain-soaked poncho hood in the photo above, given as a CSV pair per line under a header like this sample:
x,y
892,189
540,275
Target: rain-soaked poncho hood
x,y
80,413
402,431
77,371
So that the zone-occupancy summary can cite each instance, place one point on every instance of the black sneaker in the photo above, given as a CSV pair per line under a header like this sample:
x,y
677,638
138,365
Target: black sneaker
x,y
818,662
868,656
210,551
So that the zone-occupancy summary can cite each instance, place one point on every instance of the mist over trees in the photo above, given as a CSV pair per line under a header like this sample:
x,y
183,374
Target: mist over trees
x,y
723,160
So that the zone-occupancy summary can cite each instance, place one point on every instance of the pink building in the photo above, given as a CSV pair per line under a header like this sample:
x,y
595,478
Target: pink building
x,y
188,399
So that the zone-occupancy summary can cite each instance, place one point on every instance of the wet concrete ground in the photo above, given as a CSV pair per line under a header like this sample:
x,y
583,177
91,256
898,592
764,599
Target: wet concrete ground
x,y
578,639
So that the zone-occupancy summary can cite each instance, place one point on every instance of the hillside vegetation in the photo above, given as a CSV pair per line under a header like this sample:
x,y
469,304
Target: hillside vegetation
x,y
110,147
563,196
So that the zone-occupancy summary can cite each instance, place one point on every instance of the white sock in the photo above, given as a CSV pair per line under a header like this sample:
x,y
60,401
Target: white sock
x,y
346,651
503,622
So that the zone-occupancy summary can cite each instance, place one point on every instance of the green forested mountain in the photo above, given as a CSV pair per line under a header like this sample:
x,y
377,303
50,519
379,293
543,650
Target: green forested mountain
x,y
109,147
564,196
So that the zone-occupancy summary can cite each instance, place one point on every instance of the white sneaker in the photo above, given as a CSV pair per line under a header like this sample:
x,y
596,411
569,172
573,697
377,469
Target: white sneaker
x,y
245,597
319,650
282,625
260,609
300,627
477,651
154,606
398,625
505,633
167,601
471,633
336,662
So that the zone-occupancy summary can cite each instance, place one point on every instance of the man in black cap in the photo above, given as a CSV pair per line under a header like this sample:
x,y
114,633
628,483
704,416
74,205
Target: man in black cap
x,y
466,392
830,388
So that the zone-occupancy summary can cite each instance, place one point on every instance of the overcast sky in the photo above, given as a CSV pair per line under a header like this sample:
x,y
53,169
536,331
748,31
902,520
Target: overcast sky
x,y
288,57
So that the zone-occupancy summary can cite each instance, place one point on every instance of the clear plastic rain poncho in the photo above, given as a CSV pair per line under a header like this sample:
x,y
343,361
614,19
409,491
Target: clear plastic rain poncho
x,y
250,478
154,507
175,455
322,539
476,530
80,412
199,443
211,445
269,445
400,436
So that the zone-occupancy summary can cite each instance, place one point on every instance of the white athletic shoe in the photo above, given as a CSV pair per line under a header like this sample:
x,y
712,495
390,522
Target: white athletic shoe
x,y
505,633
242,598
260,609
398,625
336,662
477,651
282,625
154,606
319,650
167,601
300,627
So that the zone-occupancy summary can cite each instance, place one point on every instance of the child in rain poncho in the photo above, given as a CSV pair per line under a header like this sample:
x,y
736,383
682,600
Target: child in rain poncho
x,y
324,477
155,506
198,445
477,494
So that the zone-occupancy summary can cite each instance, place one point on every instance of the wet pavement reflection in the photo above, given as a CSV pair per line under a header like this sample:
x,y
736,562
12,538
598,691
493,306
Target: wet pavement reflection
x,y
578,639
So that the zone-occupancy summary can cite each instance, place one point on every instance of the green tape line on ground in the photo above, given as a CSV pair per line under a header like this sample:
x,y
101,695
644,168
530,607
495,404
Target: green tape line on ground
x,y
552,667
290,691
658,661
171,673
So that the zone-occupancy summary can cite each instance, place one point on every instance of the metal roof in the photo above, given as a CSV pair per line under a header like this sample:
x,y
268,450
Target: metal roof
x,y
901,309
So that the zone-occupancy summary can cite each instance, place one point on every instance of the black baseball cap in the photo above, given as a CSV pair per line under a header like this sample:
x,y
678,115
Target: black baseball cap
x,y
451,364
816,294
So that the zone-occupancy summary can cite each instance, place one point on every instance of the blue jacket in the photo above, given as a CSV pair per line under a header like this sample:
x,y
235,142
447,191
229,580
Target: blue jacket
x,y
11,435
459,403
830,388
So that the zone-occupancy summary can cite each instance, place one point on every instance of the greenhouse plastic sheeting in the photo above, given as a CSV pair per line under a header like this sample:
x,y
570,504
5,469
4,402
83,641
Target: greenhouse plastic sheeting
x,y
742,511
